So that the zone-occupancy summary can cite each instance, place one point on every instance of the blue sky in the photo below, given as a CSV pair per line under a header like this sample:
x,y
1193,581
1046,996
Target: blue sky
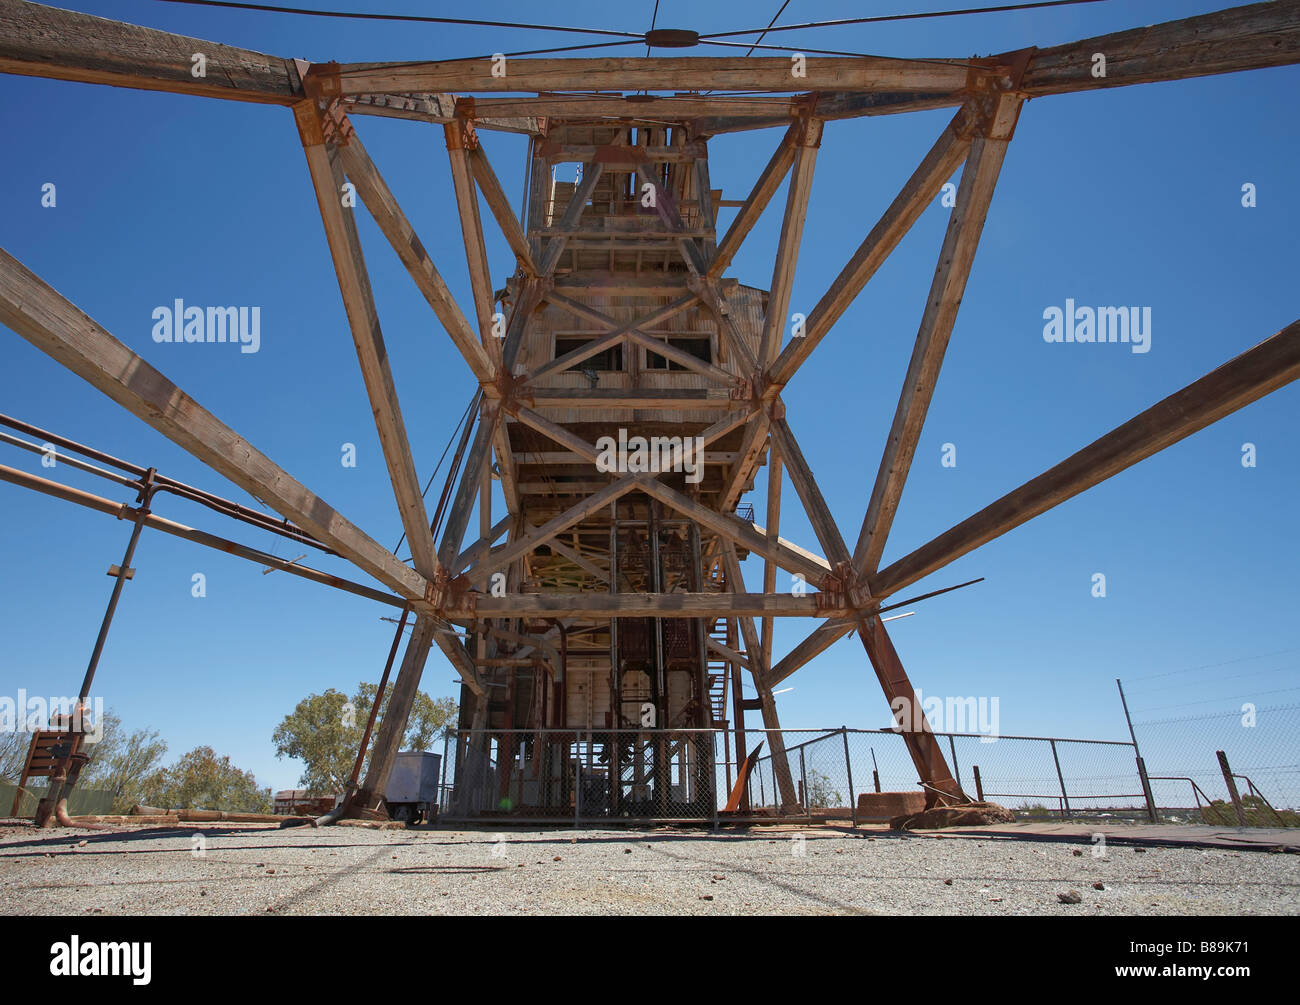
x,y
1127,197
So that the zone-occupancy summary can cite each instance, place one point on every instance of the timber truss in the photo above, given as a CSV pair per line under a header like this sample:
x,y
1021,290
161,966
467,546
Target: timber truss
x,y
573,260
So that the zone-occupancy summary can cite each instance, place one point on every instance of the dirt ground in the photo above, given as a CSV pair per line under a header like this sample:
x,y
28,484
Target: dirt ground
x,y
1021,869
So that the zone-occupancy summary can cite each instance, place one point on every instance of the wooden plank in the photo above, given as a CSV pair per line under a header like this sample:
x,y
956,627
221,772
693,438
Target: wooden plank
x,y
924,184
670,214
481,547
557,433
722,427
635,107
773,535
623,284
471,228
1272,364
1240,38
551,458
39,41
653,342
688,73
726,652
615,337
822,638
966,223
51,323
769,180
471,483
363,320
601,606
735,529
591,174
662,398
394,225
433,108
728,333
558,547
927,757
752,447
498,202
810,494
517,548
787,249
758,671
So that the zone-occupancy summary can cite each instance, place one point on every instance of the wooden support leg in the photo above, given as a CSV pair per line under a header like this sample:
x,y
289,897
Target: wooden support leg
x,y
941,787
393,727
788,795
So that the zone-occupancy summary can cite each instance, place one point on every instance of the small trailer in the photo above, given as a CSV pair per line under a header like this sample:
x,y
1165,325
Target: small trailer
x,y
413,785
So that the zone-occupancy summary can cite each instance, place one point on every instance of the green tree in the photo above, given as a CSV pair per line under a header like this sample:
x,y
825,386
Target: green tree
x,y
821,794
202,780
124,764
325,730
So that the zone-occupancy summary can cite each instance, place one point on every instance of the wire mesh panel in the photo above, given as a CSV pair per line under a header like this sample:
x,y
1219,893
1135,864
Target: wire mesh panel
x,y
1262,747
581,775
633,774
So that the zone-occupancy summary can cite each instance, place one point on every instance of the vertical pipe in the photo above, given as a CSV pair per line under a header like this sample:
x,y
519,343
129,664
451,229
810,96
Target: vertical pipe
x,y
803,781
374,707
1232,787
1065,799
1152,813
848,769
446,749
956,768
65,775
146,494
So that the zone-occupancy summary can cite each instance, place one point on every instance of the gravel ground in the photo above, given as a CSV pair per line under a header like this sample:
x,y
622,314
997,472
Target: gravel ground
x,y
763,871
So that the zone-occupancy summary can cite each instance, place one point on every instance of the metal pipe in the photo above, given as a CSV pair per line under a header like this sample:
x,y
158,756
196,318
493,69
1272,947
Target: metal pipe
x,y
338,811
73,445
146,493
1152,813
72,462
125,512
162,483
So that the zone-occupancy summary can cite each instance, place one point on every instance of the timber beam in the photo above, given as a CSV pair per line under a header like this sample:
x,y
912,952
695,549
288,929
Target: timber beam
x,y
1272,364
957,255
39,314
328,178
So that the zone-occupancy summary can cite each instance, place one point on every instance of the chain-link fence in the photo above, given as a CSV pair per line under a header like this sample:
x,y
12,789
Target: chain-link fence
x,y
695,775
1033,776
1260,746
557,774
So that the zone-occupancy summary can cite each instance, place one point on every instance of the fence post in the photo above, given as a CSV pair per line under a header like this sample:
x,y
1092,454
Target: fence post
x,y
956,768
577,790
1152,813
1065,797
713,739
1232,788
803,781
979,786
848,770
442,792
